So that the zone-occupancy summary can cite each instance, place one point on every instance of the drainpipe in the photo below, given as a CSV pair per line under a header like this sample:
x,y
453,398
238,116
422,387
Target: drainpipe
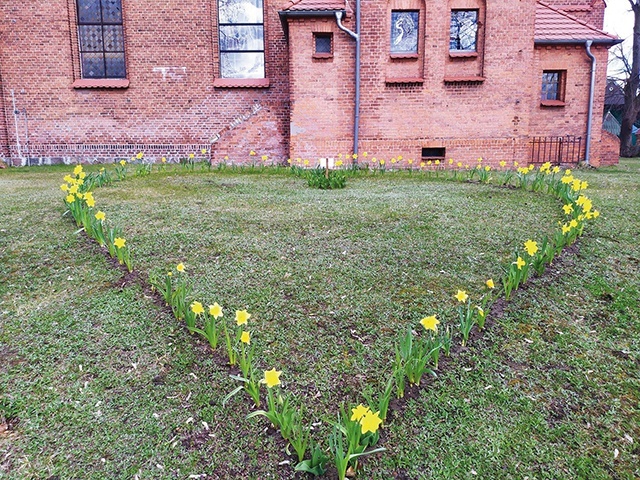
x,y
356,36
592,87
15,118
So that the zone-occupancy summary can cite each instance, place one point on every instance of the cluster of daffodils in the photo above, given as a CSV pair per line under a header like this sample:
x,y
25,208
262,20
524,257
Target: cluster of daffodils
x,y
80,203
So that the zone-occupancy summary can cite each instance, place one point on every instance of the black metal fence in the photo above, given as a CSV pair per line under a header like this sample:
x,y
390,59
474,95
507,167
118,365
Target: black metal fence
x,y
556,150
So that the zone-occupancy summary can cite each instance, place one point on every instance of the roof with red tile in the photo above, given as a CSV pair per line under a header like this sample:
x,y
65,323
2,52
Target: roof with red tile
x,y
314,5
556,26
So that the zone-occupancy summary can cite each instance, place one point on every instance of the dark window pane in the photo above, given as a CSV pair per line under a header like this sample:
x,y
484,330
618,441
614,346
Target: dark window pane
x,y
89,11
404,32
244,37
115,65
463,32
111,11
90,38
113,38
92,65
550,86
323,43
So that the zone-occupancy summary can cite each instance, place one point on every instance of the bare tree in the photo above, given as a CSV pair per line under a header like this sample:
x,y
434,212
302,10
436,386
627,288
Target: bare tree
x,y
631,107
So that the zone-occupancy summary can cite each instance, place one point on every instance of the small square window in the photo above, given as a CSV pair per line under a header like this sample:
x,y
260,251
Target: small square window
x,y
463,31
404,31
553,86
323,44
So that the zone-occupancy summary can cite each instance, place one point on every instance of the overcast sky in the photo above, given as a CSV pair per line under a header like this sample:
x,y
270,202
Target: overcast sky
x,y
618,19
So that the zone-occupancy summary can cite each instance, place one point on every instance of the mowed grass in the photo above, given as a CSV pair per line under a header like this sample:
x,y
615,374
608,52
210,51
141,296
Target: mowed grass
x,y
100,382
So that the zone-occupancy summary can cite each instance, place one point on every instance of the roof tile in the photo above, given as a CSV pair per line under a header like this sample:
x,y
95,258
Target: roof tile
x,y
314,5
555,25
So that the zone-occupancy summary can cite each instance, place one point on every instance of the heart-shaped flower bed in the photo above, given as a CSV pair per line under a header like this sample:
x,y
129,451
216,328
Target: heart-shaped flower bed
x,y
313,315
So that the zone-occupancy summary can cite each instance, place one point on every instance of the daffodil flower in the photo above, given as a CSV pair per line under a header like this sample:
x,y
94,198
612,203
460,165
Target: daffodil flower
x,y
215,310
241,317
461,296
489,283
272,377
520,263
430,323
197,308
531,247
100,215
370,422
358,412
245,337
180,267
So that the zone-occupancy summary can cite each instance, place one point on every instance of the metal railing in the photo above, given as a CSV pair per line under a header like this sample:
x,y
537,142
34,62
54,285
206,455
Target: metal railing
x,y
565,150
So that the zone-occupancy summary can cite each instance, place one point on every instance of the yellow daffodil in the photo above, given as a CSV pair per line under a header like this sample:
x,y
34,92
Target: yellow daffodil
x,y
567,179
192,156
73,189
393,160
272,377
358,412
354,156
64,187
364,154
245,337
437,162
565,229
515,164
180,267
100,215
139,155
568,209
203,151
119,242
487,168
430,323
77,170
164,160
242,316
421,164
68,179
531,247
252,153
503,163
481,313
489,283
197,308
520,263
339,163
215,310
306,162
410,161
573,223
264,158
596,214
90,202
451,161
576,185
382,161
370,422
567,172
70,198
461,296
399,157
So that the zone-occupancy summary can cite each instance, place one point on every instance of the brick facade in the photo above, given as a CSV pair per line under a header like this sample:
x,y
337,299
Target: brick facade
x,y
174,101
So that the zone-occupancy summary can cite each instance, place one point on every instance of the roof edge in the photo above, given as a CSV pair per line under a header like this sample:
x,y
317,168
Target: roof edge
x,y
613,40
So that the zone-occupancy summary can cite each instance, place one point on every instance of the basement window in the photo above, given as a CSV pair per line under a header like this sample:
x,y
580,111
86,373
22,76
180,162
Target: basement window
x,y
433,153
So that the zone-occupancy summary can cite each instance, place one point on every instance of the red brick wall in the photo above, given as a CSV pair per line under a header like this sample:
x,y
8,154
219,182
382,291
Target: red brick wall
x,y
609,149
487,106
570,119
171,100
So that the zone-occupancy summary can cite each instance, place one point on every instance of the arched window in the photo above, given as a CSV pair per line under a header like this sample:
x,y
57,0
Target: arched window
x,y
101,39
241,38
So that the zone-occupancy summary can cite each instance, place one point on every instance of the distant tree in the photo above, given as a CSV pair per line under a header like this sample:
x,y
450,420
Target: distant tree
x,y
631,107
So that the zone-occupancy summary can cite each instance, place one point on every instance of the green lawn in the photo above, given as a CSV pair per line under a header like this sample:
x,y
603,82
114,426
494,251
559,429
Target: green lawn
x,y
98,381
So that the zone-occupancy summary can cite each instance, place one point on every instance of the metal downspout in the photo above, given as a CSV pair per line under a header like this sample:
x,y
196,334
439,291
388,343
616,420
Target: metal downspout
x,y
592,87
356,114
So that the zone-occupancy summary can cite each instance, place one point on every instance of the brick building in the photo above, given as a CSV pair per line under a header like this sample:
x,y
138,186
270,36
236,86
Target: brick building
x,y
100,80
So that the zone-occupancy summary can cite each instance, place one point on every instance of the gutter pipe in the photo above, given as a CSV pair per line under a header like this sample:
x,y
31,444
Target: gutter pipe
x,y
587,152
356,115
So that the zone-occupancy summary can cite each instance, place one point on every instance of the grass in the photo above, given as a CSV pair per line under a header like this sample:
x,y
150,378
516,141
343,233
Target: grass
x,y
96,381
